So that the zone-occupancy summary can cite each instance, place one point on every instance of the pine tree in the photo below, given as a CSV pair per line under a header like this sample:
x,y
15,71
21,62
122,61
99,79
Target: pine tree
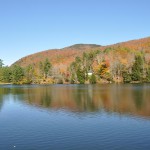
x,y
6,75
93,79
137,68
47,67
148,74
1,63
17,74
81,76
126,77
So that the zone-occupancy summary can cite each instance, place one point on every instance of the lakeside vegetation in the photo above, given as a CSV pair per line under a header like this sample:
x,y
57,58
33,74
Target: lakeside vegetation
x,y
119,65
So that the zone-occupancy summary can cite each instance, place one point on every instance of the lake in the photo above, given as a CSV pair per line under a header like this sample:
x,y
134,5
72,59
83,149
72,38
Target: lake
x,y
75,117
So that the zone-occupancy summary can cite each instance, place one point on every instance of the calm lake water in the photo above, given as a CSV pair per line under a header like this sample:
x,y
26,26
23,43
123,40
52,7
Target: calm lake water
x,y
75,117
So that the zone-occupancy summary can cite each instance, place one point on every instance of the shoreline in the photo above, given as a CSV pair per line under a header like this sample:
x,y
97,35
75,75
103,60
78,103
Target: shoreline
x,y
6,84
76,83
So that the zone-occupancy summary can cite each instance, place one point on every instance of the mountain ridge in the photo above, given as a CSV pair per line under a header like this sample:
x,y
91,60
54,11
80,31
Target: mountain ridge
x,y
64,56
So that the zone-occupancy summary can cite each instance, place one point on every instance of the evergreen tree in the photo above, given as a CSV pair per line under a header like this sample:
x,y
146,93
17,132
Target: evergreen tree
x,y
17,74
47,67
148,74
126,77
1,63
137,68
93,79
6,74
81,76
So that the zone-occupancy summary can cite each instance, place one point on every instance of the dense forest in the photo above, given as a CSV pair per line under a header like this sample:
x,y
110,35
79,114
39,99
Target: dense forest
x,y
126,62
113,64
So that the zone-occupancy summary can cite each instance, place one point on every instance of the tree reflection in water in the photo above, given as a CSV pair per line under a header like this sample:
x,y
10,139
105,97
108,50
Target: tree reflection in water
x,y
121,98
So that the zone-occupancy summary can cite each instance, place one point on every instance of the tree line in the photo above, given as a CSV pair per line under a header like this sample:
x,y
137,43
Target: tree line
x,y
25,75
115,70
120,65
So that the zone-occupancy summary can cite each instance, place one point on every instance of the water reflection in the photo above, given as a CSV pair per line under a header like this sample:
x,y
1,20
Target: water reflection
x,y
128,99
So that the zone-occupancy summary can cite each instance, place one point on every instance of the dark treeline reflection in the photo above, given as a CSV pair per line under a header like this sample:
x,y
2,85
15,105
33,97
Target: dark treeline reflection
x,y
129,98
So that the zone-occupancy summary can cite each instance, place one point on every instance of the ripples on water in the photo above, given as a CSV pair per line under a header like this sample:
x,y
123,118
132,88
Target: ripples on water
x,y
75,117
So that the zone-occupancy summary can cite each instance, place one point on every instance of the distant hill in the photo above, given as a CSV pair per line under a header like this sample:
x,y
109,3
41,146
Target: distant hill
x,y
63,57
58,57
83,46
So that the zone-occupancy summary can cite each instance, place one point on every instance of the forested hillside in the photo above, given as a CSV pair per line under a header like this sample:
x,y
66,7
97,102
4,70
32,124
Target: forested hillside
x,y
84,63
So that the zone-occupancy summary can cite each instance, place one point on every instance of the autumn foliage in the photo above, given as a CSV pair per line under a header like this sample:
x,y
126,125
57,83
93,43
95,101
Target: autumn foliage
x,y
121,62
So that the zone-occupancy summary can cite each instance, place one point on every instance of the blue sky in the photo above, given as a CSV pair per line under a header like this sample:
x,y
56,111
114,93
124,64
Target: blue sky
x,y
29,26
